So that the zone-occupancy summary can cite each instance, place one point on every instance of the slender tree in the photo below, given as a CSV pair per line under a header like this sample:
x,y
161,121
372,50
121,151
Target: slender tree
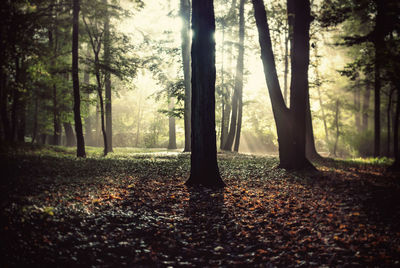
x,y
185,35
171,125
107,78
204,167
239,75
80,145
237,98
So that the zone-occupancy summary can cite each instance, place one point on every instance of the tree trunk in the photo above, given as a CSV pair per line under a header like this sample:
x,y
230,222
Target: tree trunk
x,y
378,45
224,125
107,80
80,149
337,117
3,88
311,151
35,119
365,107
139,118
388,113
357,106
171,127
4,107
56,119
101,104
21,111
15,101
290,124
299,96
239,74
232,129
396,165
70,135
204,168
185,35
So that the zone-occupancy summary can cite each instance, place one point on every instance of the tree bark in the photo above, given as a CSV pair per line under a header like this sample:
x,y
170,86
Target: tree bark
x,y
80,145
378,45
107,80
70,135
88,122
365,107
239,74
396,165
337,117
171,127
204,168
357,106
311,151
388,113
290,124
185,35
35,119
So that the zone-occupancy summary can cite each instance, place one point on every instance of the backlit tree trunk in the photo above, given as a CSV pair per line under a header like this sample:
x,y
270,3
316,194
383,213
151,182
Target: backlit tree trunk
x,y
171,127
185,35
378,46
365,107
290,124
396,165
239,75
80,152
204,168
69,133
107,80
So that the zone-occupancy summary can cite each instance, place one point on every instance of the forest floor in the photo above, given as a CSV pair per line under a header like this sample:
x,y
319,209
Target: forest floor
x,y
133,209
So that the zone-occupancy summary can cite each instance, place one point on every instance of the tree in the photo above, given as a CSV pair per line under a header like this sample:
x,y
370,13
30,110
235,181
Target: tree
x,y
204,168
171,126
80,145
237,98
107,78
185,35
290,123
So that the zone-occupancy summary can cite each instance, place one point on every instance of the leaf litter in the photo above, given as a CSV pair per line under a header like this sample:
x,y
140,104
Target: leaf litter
x,y
136,211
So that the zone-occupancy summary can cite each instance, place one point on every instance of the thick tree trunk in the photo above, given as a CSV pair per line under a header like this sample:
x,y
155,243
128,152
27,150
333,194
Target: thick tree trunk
x,y
290,124
239,74
204,168
80,149
171,127
185,35
107,80
299,79
70,135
